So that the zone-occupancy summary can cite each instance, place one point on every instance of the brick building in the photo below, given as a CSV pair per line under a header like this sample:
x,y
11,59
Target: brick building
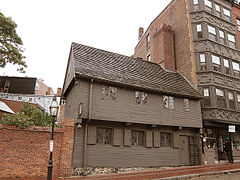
x,y
200,39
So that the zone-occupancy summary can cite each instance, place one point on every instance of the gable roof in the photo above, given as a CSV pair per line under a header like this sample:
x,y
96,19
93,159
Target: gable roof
x,y
111,67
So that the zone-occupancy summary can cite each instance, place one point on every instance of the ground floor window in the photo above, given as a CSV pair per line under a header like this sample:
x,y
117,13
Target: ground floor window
x,y
104,136
165,139
138,138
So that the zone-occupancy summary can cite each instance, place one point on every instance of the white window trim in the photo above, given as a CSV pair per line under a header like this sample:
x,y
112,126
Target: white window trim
x,y
199,28
221,34
231,38
195,2
230,95
208,3
238,98
216,60
226,63
206,92
226,12
235,66
217,7
211,29
202,58
219,92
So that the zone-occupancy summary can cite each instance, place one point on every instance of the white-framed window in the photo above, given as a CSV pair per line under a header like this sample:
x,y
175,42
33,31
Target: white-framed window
x,y
235,66
226,63
149,58
230,95
231,100
202,58
238,24
212,32
195,4
140,97
199,31
148,40
168,102
216,63
222,37
227,14
238,98
208,5
218,11
231,38
206,92
219,92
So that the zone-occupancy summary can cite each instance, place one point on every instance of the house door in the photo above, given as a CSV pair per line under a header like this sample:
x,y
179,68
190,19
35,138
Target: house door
x,y
184,150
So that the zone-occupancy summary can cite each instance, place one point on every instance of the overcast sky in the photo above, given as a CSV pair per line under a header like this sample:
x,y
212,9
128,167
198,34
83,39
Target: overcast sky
x,y
47,28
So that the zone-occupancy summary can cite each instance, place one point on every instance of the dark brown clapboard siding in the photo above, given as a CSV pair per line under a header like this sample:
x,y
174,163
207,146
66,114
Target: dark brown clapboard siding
x,y
70,73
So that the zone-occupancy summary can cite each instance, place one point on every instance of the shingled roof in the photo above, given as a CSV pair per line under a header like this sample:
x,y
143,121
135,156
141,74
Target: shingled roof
x,y
114,68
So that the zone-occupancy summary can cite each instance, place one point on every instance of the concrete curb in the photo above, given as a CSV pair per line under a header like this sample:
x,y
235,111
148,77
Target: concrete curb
x,y
189,176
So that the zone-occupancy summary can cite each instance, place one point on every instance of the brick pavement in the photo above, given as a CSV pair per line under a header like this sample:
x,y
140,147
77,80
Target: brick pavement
x,y
184,172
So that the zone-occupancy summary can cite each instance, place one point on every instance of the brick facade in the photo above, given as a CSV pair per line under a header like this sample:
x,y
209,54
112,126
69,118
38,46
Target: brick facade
x,y
236,15
25,152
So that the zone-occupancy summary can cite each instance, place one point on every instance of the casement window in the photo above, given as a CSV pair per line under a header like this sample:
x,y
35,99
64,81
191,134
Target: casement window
x,y
238,100
208,5
206,100
212,33
149,58
109,92
231,40
218,11
186,104
104,135
231,100
166,139
148,40
141,97
238,24
138,138
199,31
221,37
202,62
236,69
195,5
216,63
227,15
168,102
226,66
220,98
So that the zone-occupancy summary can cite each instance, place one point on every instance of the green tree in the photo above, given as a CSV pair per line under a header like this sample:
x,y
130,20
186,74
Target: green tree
x,y
10,44
28,116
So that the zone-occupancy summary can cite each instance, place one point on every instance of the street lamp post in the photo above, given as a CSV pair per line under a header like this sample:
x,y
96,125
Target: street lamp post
x,y
53,111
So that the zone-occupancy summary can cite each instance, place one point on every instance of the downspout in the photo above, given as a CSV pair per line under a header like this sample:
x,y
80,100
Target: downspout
x,y
86,126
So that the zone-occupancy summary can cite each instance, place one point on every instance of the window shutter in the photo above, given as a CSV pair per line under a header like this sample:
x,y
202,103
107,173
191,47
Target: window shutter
x,y
175,140
91,139
156,138
117,137
149,138
127,137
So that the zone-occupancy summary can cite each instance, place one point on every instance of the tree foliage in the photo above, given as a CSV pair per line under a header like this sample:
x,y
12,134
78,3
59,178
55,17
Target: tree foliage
x,y
10,44
28,116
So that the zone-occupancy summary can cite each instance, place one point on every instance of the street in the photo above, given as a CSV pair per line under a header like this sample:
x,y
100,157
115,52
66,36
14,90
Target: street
x,y
232,176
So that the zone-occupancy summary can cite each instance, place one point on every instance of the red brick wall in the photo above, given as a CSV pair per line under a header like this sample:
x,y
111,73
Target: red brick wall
x,y
236,14
25,152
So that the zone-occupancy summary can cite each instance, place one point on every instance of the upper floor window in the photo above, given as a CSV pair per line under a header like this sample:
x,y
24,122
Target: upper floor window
x,y
206,100
220,98
141,97
104,135
212,33
186,104
216,63
199,31
165,139
138,138
168,102
148,40
109,92
206,92
221,37
218,11
227,15
231,100
195,4
236,69
208,5
226,66
231,40
238,24
238,100
149,58
202,61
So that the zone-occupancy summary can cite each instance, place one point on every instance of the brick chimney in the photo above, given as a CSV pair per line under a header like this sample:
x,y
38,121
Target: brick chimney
x,y
140,32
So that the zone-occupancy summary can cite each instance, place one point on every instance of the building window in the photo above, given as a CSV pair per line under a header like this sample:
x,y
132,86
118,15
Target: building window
x,y
202,62
220,98
109,92
218,11
238,24
216,63
165,139
148,40
231,100
186,104
227,15
138,138
19,98
30,99
238,100
212,33
231,40
236,69
199,31
149,58
226,66
168,102
206,100
208,5
141,97
195,5
221,37
104,135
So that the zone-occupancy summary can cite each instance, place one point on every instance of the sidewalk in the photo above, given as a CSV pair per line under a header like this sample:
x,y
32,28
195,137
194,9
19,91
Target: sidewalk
x,y
175,173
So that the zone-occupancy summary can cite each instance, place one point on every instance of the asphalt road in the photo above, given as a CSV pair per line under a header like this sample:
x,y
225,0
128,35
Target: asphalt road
x,y
231,176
